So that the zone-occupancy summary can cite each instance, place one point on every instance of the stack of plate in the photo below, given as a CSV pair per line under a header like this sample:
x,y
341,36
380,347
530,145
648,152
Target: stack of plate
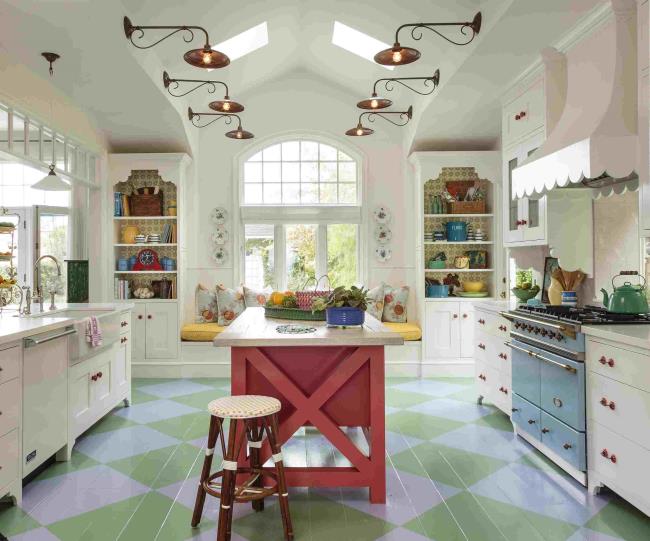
x,y
154,239
428,237
140,239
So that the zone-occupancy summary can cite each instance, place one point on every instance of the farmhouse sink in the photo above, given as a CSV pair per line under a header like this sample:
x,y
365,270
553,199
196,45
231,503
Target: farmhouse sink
x,y
109,320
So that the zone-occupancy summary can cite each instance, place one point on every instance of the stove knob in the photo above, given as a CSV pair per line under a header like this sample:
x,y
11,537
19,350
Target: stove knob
x,y
537,330
551,335
558,337
543,332
517,324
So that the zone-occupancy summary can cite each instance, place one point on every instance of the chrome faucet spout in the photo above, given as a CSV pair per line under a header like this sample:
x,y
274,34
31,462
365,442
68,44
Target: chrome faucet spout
x,y
39,293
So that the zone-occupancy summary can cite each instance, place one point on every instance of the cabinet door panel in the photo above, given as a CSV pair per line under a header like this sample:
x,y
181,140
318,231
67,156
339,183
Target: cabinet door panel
x,y
513,231
101,387
162,331
80,405
121,367
139,320
466,331
443,330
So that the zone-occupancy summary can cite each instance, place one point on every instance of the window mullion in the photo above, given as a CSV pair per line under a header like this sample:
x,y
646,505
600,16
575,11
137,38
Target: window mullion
x,y
279,255
321,250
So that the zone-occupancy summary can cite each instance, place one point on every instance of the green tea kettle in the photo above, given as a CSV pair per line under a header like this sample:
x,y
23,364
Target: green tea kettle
x,y
628,298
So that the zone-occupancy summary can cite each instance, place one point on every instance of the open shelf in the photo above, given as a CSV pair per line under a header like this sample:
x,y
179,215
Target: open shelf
x,y
443,242
145,272
145,217
458,215
147,244
458,270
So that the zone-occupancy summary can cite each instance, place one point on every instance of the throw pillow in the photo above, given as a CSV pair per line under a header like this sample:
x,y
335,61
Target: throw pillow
x,y
205,305
376,301
256,297
230,303
395,304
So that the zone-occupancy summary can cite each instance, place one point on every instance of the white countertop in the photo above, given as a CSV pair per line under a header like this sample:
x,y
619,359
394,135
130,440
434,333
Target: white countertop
x,y
632,335
253,329
14,328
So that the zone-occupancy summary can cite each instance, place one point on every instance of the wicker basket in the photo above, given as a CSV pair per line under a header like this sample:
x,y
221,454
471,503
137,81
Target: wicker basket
x,y
466,207
146,205
305,298
280,312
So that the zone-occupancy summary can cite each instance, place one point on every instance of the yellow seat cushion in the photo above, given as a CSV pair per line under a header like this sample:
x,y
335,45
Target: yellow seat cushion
x,y
200,332
409,331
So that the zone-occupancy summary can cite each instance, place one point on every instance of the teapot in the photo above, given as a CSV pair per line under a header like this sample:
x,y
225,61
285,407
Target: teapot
x,y
628,298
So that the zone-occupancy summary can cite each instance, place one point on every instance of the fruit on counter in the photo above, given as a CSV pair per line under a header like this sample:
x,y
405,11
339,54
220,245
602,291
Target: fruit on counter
x,y
277,297
5,282
526,285
290,301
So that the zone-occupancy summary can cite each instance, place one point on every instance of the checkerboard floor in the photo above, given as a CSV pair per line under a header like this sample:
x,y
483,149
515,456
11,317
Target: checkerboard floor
x,y
455,472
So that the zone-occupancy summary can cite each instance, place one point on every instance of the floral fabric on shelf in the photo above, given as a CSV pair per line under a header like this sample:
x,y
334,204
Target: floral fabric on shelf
x,y
230,303
205,305
256,297
376,302
395,304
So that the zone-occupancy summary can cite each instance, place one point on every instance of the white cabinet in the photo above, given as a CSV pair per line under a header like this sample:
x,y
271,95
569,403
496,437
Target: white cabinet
x,y
643,14
121,366
10,421
155,331
448,331
524,115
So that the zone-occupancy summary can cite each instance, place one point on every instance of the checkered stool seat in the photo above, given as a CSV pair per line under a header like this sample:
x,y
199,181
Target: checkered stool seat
x,y
244,407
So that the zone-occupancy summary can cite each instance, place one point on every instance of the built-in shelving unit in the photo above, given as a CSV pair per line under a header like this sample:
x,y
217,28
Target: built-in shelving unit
x,y
141,218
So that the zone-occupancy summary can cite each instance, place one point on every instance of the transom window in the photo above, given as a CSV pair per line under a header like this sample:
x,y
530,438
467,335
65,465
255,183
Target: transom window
x,y
300,173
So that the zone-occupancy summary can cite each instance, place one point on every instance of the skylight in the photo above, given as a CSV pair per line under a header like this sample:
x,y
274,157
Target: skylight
x,y
357,42
242,44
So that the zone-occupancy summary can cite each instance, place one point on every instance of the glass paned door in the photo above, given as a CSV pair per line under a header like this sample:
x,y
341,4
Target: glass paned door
x,y
259,253
533,205
513,204
52,234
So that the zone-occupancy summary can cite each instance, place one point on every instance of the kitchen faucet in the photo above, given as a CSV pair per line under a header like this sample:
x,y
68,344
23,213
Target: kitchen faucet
x,y
39,293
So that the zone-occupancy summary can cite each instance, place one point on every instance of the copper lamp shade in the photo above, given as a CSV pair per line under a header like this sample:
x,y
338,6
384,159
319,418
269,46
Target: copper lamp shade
x,y
397,56
359,131
206,58
226,105
239,134
374,102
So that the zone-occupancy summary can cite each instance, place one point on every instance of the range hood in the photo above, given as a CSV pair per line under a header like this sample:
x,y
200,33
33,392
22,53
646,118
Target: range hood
x,y
593,144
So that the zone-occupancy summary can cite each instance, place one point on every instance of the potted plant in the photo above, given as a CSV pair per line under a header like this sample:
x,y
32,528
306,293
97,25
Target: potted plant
x,y
343,307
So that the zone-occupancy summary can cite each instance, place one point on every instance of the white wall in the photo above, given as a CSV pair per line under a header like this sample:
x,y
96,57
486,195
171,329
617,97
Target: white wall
x,y
308,105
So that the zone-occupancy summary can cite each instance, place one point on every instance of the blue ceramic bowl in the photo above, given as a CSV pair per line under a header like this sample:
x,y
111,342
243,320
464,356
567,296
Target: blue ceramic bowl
x,y
456,231
344,316
437,291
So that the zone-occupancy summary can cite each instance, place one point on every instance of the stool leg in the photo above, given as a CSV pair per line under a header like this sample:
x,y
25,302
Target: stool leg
x,y
228,485
256,434
273,434
205,473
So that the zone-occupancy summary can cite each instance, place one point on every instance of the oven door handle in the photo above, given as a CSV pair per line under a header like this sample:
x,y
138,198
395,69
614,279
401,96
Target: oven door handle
x,y
566,331
567,367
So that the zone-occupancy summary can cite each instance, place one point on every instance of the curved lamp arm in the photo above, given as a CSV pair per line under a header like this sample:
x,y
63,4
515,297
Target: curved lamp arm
x,y
172,84
130,30
431,83
416,29
402,119
195,118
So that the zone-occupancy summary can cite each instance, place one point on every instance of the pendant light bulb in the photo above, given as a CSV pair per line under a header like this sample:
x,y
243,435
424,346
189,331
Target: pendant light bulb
x,y
397,57
374,103
226,105
207,57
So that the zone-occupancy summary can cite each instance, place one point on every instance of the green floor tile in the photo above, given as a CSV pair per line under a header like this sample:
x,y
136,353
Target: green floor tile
x,y
184,427
78,461
315,519
391,382
450,466
403,399
109,423
144,382
539,461
420,425
200,400
498,420
140,397
620,519
475,518
14,521
213,382
162,467
456,381
468,394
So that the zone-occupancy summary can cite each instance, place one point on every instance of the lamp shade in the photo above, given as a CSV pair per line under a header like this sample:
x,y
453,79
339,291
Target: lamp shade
x,y
206,58
359,131
52,183
226,105
374,102
239,134
397,56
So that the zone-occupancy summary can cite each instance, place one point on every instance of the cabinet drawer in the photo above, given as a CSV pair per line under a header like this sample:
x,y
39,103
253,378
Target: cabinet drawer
x,y
9,405
620,460
485,379
125,322
563,391
492,324
619,364
526,416
9,363
525,374
565,441
9,459
621,408
482,345
524,114
503,392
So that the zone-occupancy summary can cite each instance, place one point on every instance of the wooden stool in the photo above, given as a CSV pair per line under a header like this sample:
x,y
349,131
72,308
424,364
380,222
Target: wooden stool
x,y
253,415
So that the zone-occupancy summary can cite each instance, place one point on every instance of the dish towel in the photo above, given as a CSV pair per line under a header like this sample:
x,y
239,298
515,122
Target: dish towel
x,y
93,332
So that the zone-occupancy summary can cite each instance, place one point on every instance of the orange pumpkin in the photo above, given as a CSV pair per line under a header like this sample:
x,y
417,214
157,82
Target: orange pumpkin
x,y
277,297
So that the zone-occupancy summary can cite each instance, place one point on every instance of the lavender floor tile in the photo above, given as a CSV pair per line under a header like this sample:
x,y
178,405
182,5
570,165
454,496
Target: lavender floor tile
x,y
456,410
81,492
174,388
431,387
155,410
122,443
542,492
486,441
396,443
390,410
38,534
585,534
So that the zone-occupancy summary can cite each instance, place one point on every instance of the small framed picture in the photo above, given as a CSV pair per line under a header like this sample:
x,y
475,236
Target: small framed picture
x,y
550,264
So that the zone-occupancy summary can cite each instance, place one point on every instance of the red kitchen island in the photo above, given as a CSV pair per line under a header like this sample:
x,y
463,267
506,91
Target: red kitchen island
x,y
328,379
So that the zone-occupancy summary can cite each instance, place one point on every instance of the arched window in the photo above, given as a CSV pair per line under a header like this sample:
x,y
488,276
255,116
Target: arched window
x,y
300,202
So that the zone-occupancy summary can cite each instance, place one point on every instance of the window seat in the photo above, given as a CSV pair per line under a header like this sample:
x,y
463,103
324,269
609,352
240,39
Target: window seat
x,y
410,332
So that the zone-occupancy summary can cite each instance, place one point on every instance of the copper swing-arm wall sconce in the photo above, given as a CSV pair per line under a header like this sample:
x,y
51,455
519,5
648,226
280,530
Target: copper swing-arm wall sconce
x,y
206,57
226,105
402,120
239,133
377,102
398,55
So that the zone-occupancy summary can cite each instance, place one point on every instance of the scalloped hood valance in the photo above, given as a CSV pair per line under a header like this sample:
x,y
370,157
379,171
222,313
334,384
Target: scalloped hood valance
x,y
594,142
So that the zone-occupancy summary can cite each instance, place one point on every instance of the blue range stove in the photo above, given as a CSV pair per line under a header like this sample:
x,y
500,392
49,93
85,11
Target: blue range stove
x,y
548,378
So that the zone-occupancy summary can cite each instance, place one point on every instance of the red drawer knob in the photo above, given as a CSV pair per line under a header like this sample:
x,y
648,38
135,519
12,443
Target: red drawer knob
x,y
602,360
99,375
149,317
610,363
140,317
613,458
605,453
94,377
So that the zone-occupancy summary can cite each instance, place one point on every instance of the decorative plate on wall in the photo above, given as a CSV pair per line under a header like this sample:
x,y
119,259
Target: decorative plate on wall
x,y
382,215
383,253
220,255
220,236
383,234
219,215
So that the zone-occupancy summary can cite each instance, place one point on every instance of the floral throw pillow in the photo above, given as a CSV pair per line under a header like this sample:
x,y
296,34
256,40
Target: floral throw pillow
x,y
376,302
230,303
205,303
395,304
256,297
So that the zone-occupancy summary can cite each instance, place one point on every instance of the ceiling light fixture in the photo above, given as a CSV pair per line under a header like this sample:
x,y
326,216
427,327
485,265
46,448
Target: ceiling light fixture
x,y
360,130
206,58
239,133
226,105
375,102
52,182
398,55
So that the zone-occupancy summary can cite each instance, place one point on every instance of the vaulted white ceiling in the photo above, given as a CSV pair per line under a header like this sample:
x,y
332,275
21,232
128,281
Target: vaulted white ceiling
x,y
120,86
